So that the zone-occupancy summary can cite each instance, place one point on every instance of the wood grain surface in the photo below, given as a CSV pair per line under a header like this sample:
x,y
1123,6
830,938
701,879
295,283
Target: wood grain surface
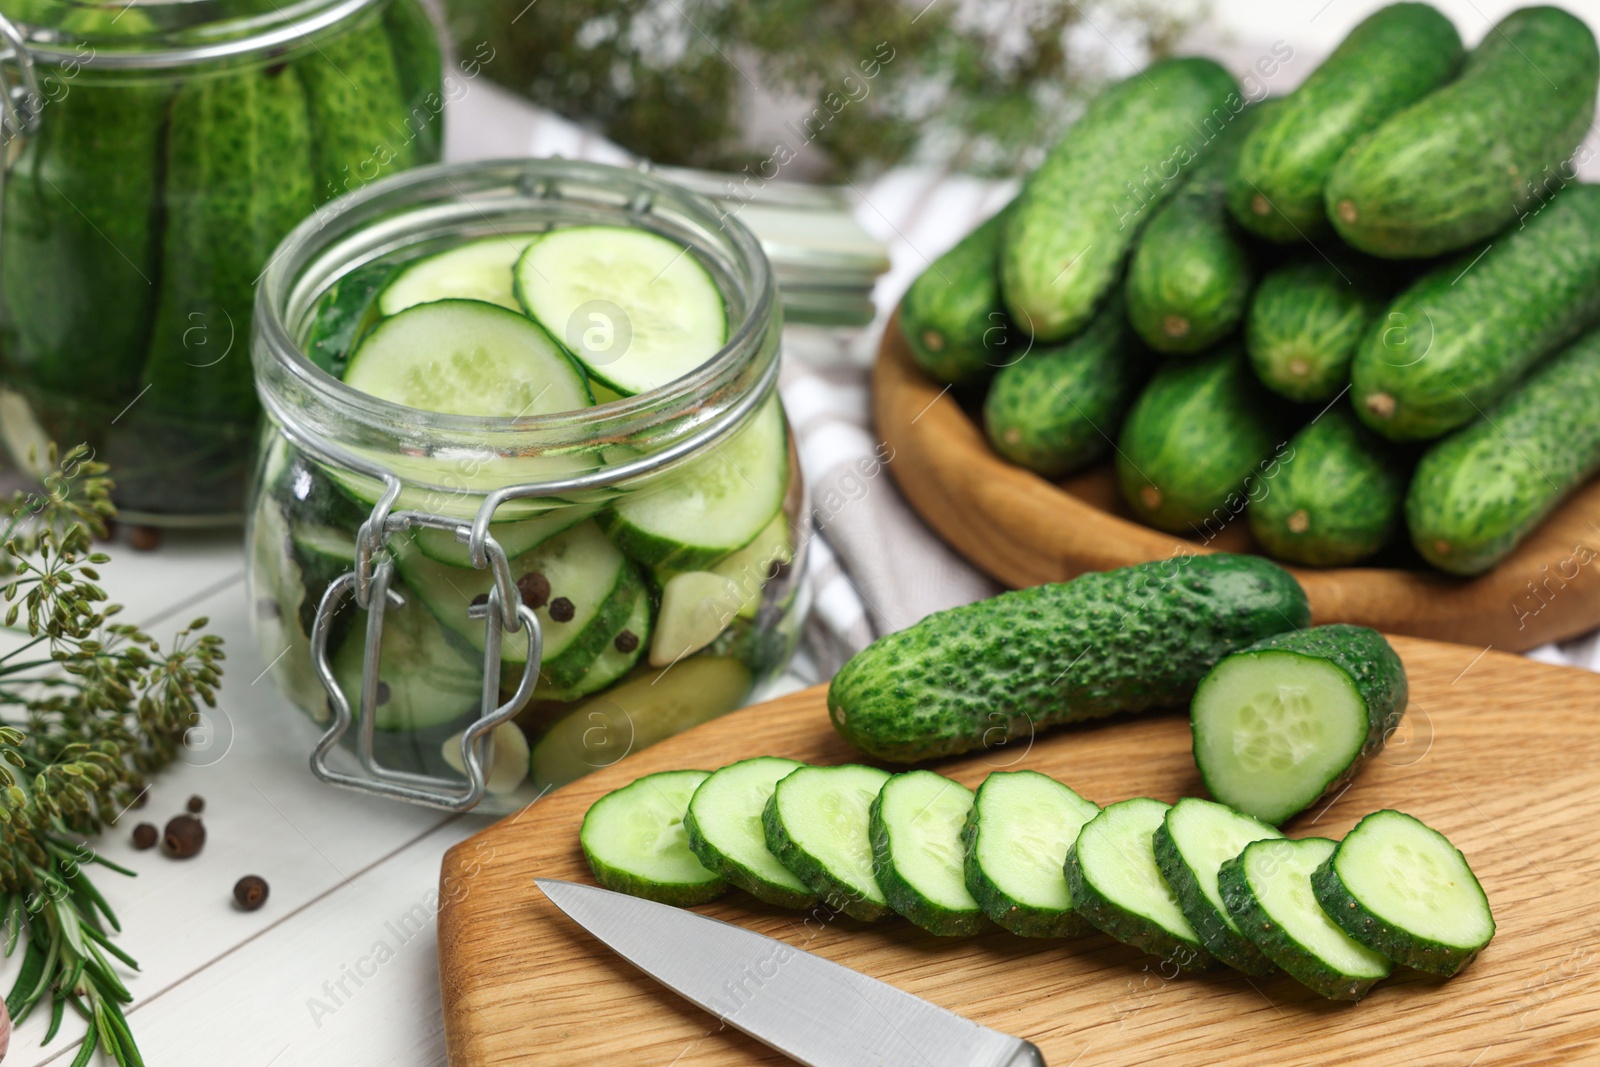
x,y
1499,753
1024,530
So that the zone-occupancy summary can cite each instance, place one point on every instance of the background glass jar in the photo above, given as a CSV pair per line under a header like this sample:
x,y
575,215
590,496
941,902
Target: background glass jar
x,y
158,154
643,636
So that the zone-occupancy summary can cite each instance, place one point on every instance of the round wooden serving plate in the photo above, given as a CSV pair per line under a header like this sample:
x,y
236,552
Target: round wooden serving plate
x,y
1024,530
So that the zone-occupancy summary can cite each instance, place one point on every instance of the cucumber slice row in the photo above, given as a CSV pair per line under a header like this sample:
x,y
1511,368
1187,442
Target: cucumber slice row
x,y
1017,837
635,841
1401,889
817,825
1192,843
915,826
1267,890
725,832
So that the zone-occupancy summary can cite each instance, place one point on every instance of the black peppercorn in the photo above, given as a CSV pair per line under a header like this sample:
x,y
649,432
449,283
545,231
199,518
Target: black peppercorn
x,y
250,892
184,837
382,696
196,805
626,641
562,610
144,538
145,835
535,590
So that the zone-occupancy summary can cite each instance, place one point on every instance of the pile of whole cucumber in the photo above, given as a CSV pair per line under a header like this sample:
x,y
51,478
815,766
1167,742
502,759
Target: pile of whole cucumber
x,y
1370,303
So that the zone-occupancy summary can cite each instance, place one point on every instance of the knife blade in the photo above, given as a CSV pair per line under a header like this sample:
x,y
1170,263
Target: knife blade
x,y
812,1010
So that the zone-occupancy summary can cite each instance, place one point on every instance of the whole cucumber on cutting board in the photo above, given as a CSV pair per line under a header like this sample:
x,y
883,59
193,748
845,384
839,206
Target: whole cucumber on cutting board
x,y
1392,59
1064,247
1123,640
1196,441
1337,496
1479,492
952,316
1476,155
1305,322
1455,341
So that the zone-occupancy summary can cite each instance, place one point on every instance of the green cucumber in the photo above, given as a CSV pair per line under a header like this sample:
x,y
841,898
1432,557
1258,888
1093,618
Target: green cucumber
x,y
425,679
1337,495
1194,840
1403,890
1391,60
515,538
915,825
1472,157
1072,228
952,318
1305,322
1267,890
1115,884
1017,836
1117,641
817,824
725,833
619,655
1293,717
1057,408
635,841
478,270
344,315
1479,492
1459,338
419,64
1194,442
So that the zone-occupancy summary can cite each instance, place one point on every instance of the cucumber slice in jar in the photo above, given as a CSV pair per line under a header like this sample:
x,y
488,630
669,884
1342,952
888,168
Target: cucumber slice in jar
x,y
506,769
724,826
714,504
696,607
479,270
1115,884
817,824
1267,890
515,538
466,357
425,679
1192,843
636,309
1017,837
635,842
1402,889
619,656
915,825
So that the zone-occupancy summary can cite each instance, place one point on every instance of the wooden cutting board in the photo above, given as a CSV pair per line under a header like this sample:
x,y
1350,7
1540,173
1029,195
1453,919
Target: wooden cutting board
x,y
1501,754
1023,530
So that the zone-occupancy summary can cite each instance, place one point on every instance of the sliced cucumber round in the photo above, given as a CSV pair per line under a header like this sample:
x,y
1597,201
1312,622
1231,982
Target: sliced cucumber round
x,y
1402,889
1267,890
617,657
515,538
915,824
1017,837
466,357
724,827
479,270
425,678
1193,842
636,309
1115,884
817,824
635,842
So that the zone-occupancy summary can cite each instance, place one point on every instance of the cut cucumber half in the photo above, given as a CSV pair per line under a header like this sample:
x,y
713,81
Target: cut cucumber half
x,y
724,826
1193,842
1289,719
635,842
637,310
509,765
915,824
1402,889
618,656
480,270
1267,890
515,537
696,607
425,678
466,357
1115,884
637,714
1017,837
817,824
714,504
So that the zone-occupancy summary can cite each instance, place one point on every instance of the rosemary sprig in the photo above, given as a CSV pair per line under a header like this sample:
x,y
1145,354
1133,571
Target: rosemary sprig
x,y
90,708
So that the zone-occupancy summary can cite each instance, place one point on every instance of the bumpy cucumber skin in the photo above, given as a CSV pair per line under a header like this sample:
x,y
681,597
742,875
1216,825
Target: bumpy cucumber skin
x,y
1064,246
1123,640
1479,492
1458,339
1194,441
1277,945
1303,327
832,892
419,64
904,897
952,317
1401,946
1466,161
1190,277
737,874
1337,496
621,881
1216,935
1057,408
1392,59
